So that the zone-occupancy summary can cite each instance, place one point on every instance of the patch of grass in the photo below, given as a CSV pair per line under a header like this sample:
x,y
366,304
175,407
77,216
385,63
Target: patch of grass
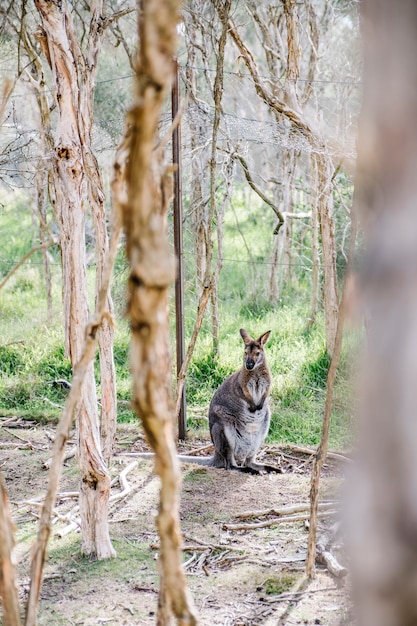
x,y
276,585
198,475
53,364
83,568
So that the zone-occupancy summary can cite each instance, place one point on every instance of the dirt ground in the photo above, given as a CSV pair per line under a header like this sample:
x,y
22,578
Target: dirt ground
x,y
238,577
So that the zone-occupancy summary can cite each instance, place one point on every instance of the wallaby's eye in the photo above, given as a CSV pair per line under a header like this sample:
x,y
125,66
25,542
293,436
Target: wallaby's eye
x,y
258,352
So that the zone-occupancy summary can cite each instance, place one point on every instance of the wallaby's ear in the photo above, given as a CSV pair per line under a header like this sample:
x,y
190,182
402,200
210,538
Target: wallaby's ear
x,y
264,338
245,336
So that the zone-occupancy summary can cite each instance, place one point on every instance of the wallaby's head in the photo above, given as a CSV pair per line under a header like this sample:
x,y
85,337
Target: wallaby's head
x,y
254,354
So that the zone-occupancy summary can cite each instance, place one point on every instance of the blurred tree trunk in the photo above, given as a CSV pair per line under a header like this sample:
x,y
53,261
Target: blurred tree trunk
x,y
72,181
152,272
382,508
8,588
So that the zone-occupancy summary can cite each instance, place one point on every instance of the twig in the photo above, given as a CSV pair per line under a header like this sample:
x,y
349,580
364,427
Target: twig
x,y
43,246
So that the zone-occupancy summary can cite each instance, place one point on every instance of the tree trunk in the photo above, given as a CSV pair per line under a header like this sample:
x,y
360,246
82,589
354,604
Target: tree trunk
x,y
152,272
382,511
198,122
315,256
40,180
8,588
325,214
71,191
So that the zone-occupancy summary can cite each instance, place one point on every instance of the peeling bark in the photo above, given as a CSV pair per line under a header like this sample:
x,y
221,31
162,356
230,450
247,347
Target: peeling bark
x,y
152,271
72,159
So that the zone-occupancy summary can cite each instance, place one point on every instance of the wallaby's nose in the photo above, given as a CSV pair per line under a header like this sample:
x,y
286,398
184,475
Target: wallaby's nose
x,y
250,364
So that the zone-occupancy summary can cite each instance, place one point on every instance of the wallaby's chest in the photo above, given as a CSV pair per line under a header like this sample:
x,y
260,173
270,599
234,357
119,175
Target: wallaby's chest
x,y
257,387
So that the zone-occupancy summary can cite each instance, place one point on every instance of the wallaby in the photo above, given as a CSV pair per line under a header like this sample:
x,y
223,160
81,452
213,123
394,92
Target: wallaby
x,y
239,413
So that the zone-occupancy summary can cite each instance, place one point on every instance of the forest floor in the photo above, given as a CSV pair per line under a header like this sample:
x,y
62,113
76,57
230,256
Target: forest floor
x,y
238,577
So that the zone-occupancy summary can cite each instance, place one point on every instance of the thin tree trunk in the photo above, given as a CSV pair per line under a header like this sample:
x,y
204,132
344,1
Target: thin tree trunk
x,y
152,272
223,10
381,509
70,187
315,256
274,292
198,122
40,180
96,198
325,213
322,449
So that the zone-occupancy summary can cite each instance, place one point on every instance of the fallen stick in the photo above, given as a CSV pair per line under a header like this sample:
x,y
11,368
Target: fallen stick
x,y
7,421
285,510
126,488
197,451
325,557
305,450
275,520
75,523
69,454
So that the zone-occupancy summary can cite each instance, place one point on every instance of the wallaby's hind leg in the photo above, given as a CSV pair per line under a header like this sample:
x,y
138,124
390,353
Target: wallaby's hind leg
x,y
223,449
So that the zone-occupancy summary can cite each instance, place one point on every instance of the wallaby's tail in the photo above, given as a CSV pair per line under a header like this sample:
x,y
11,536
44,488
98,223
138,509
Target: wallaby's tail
x,y
199,460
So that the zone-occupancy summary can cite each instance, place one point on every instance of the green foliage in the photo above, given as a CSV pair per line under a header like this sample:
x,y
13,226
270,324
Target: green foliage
x,y
204,376
11,360
53,364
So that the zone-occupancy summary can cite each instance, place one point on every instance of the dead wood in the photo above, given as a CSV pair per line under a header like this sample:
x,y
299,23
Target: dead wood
x,y
285,510
197,451
69,454
324,555
312,451
277,520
